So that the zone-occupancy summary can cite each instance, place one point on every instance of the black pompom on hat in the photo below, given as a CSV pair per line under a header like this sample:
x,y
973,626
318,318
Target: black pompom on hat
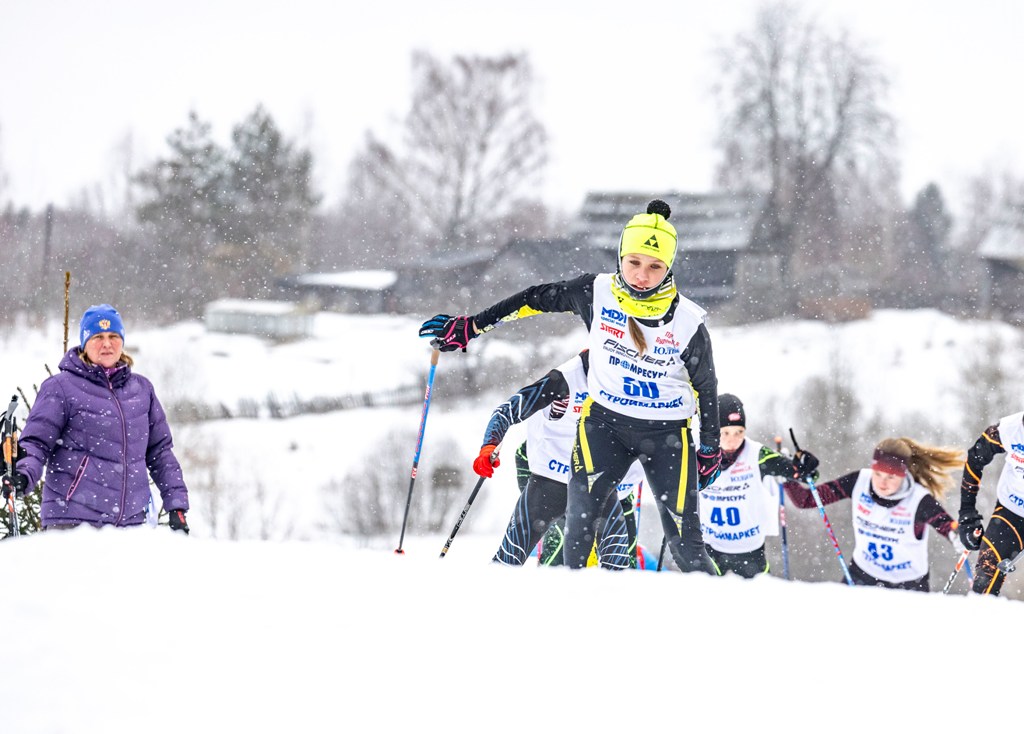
x,y
657,206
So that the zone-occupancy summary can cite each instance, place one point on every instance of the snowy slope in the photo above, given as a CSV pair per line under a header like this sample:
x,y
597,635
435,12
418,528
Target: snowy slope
x,y
119,632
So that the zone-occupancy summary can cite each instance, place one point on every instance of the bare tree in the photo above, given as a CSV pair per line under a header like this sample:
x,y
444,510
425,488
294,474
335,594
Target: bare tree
x,y
921,249
803,120
472,150
370,501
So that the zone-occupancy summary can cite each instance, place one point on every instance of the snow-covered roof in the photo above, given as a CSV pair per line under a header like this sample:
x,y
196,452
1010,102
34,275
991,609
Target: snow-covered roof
x,y
371,280
251,306
1004,241
715,221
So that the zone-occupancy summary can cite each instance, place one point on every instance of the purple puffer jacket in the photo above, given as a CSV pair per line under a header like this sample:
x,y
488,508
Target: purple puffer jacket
x,y
98,436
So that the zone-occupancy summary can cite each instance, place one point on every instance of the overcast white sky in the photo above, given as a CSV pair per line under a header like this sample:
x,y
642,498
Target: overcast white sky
x,y
77,77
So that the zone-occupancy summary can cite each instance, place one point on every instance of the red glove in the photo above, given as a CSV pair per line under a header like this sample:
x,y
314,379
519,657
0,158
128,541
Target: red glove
x,y
484,464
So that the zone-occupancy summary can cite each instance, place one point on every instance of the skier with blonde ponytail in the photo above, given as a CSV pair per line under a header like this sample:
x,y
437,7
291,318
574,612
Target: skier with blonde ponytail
x,y
895,501
651,371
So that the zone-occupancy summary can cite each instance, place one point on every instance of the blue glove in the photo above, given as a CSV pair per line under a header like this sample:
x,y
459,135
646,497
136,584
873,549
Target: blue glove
x,y
449,332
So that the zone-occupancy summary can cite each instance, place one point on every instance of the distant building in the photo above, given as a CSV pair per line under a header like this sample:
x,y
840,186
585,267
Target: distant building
x,y
719,254
719,251
475,278
350,291
1002,255
280,320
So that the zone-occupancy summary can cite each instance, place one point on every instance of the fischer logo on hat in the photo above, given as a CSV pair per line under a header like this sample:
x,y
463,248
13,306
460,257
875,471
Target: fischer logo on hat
x,y
100,319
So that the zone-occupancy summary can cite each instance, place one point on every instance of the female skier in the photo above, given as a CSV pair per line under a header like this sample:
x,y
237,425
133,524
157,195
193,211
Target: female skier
x,y
651,371
895,501
733,508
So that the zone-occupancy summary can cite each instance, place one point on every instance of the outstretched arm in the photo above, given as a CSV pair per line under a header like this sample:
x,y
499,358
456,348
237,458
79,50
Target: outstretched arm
x,y
930,512
527,401
567,296
838,489
570,296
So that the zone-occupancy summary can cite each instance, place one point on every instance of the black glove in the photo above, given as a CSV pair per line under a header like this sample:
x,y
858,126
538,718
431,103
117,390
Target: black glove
x,y
709,465
805,465
449,332
15,482
176,520
970,528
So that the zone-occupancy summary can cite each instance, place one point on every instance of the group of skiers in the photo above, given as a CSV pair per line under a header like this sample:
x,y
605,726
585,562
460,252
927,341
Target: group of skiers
x,y
619,414
612,419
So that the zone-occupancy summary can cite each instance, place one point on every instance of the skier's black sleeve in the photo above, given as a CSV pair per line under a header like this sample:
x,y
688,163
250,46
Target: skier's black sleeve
x,y
838,489
774,464
982,454
979,456
571,296
527,401
700,364
930,512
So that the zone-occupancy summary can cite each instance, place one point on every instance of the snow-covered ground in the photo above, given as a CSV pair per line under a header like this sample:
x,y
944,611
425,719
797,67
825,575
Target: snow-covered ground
x,y
120,632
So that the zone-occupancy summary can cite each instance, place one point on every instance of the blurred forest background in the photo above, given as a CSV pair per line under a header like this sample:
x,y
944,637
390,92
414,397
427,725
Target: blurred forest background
x,y
804,122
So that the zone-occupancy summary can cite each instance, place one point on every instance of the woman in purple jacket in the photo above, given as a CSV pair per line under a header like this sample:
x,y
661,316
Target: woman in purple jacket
x,y
100,431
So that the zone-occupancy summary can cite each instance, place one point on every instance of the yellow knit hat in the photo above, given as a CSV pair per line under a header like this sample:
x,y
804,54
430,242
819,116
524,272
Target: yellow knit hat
x,y
650,234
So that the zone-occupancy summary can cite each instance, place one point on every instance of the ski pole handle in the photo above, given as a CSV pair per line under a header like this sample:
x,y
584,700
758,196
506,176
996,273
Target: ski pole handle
x,y
14,446
8,431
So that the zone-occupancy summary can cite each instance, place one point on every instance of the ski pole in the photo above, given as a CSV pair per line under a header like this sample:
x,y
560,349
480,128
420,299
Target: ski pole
x,y
782,518
956,569
961,562
465,511
9,432
419,445
661,553
469,503
824,517
1009,565
636,551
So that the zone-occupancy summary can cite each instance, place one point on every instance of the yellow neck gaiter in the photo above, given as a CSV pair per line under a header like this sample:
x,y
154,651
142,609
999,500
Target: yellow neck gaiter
x,y
649,308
